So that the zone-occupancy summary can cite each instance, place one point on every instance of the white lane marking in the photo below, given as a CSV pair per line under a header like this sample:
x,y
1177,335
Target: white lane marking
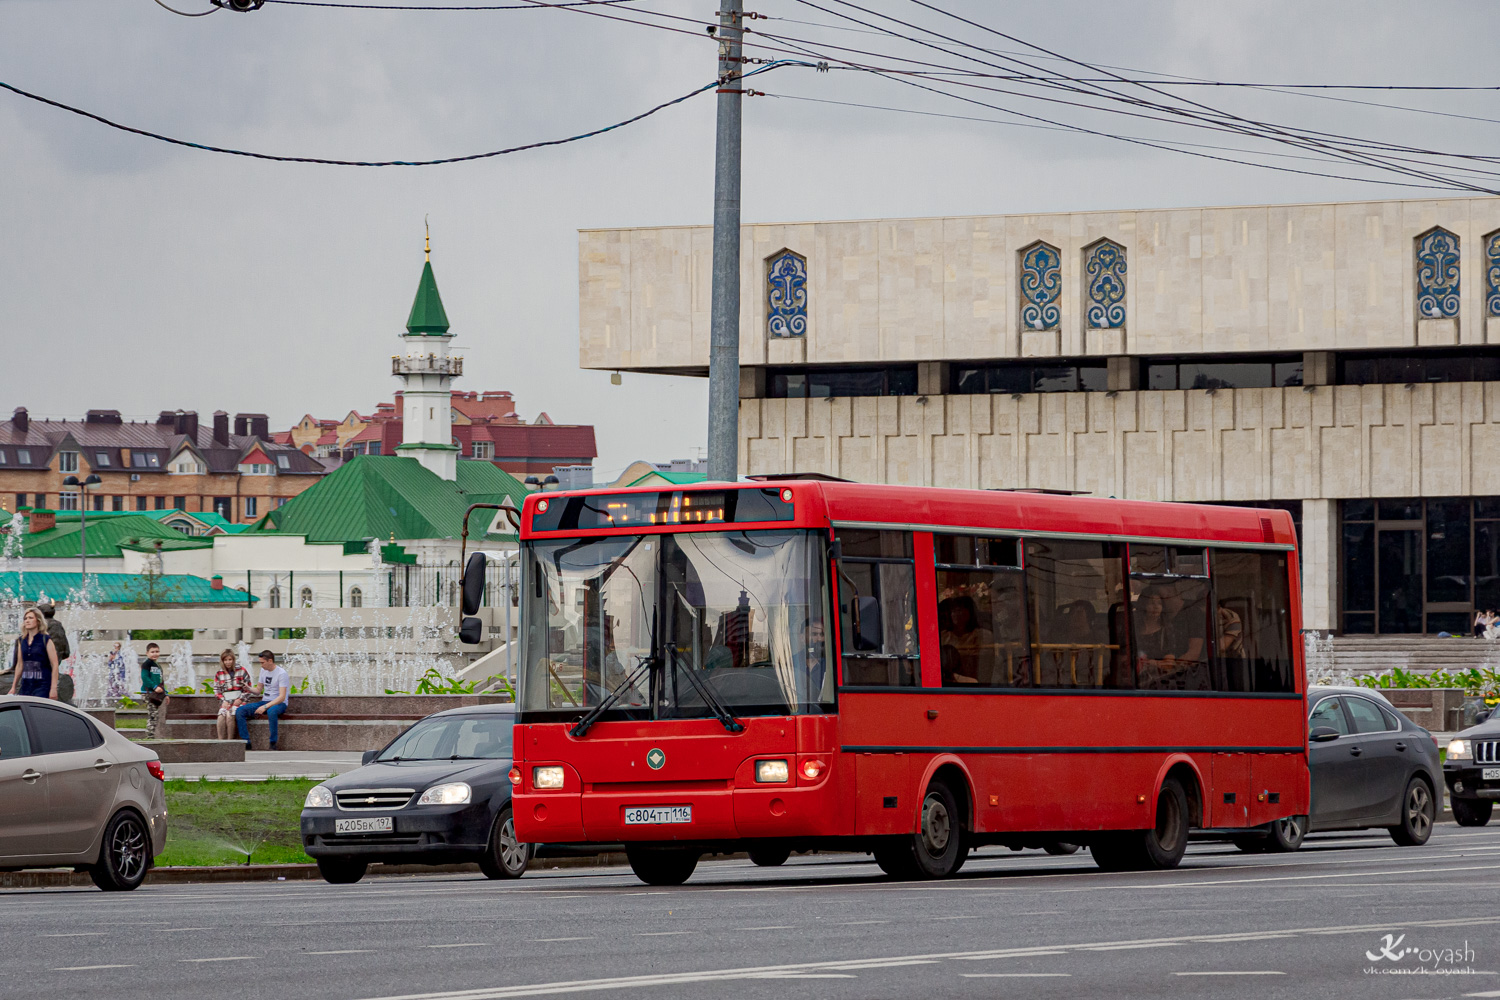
x,y
660,933
885,963
806,975
79,934
553,940
346,951
220,958
89,968
1285,878
175,930
1231,972
1016,975
958,918
464,944
771,927
1127,947
857,923
1487,993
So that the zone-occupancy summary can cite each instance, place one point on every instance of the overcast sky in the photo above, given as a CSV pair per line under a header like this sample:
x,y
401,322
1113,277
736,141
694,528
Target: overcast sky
x,y
140,276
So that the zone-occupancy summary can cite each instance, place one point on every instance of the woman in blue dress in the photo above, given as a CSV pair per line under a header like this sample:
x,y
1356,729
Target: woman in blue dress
x,y
35,659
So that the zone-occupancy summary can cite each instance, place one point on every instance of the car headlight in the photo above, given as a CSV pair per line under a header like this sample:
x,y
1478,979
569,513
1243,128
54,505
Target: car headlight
x,y
318,797
453,793
771,772
1459,750
546,777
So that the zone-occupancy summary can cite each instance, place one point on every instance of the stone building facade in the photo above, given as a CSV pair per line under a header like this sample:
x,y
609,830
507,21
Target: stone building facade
x,y
1341,361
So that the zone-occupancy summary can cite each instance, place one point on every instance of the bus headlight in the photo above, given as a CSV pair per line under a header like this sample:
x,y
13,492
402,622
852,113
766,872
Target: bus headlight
x,y
772,772
1459,750
546,777
812,768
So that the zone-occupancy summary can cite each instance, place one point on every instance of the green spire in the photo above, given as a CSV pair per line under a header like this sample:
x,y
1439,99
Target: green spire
x,y
427,315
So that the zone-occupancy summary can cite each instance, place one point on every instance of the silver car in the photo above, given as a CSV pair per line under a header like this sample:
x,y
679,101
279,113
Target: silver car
x,y
76,794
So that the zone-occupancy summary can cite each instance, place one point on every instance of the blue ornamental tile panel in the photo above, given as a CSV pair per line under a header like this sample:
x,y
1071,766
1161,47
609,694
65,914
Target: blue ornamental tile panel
x,y
1492,274
786,295
1041,287
1104,275
1437,275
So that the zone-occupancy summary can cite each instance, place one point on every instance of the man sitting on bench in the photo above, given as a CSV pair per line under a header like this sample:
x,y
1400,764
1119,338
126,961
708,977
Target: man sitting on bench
x,y
273,690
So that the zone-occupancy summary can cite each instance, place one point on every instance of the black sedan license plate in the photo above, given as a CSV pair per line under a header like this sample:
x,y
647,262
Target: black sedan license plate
x,y
651,815
364,824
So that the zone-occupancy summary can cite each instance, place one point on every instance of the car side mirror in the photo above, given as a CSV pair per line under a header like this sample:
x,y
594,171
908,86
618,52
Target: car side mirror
x,y
1483,716
1323,734
368,756
867,625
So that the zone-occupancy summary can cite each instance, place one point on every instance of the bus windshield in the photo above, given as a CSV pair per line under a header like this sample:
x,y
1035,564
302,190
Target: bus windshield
x,y
627,617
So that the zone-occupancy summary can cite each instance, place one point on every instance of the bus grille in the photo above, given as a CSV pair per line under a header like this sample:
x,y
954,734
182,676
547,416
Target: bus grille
x,y
357,799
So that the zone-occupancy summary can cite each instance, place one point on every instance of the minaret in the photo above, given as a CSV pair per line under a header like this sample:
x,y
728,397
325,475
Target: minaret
x,y
427,372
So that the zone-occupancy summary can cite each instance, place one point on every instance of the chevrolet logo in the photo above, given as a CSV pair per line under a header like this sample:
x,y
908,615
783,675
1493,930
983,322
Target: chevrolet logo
x,y
370,801
655,758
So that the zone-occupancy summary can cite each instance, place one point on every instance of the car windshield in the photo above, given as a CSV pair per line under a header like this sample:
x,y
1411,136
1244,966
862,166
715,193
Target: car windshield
x,y
454,737
651,619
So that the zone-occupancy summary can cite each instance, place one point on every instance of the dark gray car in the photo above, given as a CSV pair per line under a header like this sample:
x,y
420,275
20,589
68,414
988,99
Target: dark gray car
x,y
1370,766
1472,771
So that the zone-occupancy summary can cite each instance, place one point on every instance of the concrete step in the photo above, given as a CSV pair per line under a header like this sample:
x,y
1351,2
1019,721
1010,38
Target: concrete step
x,y
178,751
301,734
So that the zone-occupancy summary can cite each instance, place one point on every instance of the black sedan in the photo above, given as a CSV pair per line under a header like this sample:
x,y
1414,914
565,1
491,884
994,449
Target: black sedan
x,y
1371,767
437,794
1472,772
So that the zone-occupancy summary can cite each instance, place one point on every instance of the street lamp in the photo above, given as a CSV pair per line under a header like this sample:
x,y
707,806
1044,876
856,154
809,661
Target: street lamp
x,y
83,522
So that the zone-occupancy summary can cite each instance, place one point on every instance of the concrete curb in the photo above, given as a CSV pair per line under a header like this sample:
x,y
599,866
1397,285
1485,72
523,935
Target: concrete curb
x,y
179,875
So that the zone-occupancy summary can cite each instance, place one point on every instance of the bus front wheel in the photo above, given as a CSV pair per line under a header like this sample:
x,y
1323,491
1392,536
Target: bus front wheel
x,y
662,867
937,849
1160,847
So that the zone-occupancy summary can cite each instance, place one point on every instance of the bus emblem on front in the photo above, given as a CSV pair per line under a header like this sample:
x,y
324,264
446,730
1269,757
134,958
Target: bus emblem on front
x,y
655,758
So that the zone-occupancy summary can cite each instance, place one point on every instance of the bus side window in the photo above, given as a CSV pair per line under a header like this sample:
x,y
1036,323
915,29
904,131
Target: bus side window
x,y
1076,600
983,636
878,608
1252,627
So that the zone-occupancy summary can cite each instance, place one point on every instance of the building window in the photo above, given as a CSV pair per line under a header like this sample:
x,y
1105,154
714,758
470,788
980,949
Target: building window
x,y
140,503
374,448
1104,273
161,503
1041,287
1437,275
2,456
1470,364
23,456
1020,377
824,382
67,501
305,598
179,503
67,461
484,449
20,500
282,462
101,459
1418,566
145,460
786,295
117,503
250,506
1492,274
273,598
1262,373
356,597
224,507
98,502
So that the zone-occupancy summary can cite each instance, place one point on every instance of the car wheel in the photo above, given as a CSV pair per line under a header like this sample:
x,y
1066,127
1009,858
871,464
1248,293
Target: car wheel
x,y
672,866
1418,810
342,871
506,856
1286,834
1472,812
124,854
1158,848
770,855
1060,848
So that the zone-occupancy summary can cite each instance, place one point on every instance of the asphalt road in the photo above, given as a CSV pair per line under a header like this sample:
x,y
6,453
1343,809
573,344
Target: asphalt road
x,y
1026,925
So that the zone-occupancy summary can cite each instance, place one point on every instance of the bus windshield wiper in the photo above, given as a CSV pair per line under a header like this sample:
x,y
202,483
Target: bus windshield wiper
x,y
710,699
587,722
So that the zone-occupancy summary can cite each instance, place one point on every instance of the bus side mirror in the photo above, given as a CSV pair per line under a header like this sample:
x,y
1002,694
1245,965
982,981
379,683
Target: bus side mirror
x,y
1323,734
867,625
473,586
471,631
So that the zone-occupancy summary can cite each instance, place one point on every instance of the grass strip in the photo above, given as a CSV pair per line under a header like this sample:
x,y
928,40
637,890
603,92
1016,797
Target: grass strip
x,y
234,822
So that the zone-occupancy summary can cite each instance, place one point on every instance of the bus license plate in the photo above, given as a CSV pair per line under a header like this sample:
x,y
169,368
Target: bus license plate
x,y
639,815
364,824
1492,774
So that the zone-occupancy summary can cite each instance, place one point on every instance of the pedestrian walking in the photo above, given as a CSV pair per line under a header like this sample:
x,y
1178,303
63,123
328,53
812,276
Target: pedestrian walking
x,y
59,636
274,689
232,685
154,689
35,659
114,682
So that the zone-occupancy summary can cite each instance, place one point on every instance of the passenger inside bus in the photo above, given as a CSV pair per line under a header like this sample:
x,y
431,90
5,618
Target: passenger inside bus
x,y
1171,635
972,646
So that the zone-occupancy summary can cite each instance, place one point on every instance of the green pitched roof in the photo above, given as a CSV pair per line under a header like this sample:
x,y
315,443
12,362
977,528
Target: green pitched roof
x,y
120,588
675,478
427,314
381,496
106,535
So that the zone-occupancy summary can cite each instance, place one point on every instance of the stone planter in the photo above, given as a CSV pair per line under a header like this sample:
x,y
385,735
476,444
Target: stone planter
x,y
1439,710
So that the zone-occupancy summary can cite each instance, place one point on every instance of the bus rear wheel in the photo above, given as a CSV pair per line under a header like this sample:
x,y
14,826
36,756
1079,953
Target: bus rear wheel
x,y
672,866
770,855
1158,848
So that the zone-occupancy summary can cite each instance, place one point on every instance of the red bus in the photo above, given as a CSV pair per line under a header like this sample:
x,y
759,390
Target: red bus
x,y
912,672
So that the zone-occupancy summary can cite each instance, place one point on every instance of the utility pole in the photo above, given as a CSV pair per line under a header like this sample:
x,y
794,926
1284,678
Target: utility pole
x,y
724,342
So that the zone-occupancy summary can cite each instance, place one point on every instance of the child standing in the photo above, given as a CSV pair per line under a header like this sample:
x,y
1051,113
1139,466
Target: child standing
x,y
153,687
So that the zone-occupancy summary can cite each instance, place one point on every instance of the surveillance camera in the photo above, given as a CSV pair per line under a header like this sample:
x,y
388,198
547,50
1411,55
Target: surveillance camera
x,y
242,5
